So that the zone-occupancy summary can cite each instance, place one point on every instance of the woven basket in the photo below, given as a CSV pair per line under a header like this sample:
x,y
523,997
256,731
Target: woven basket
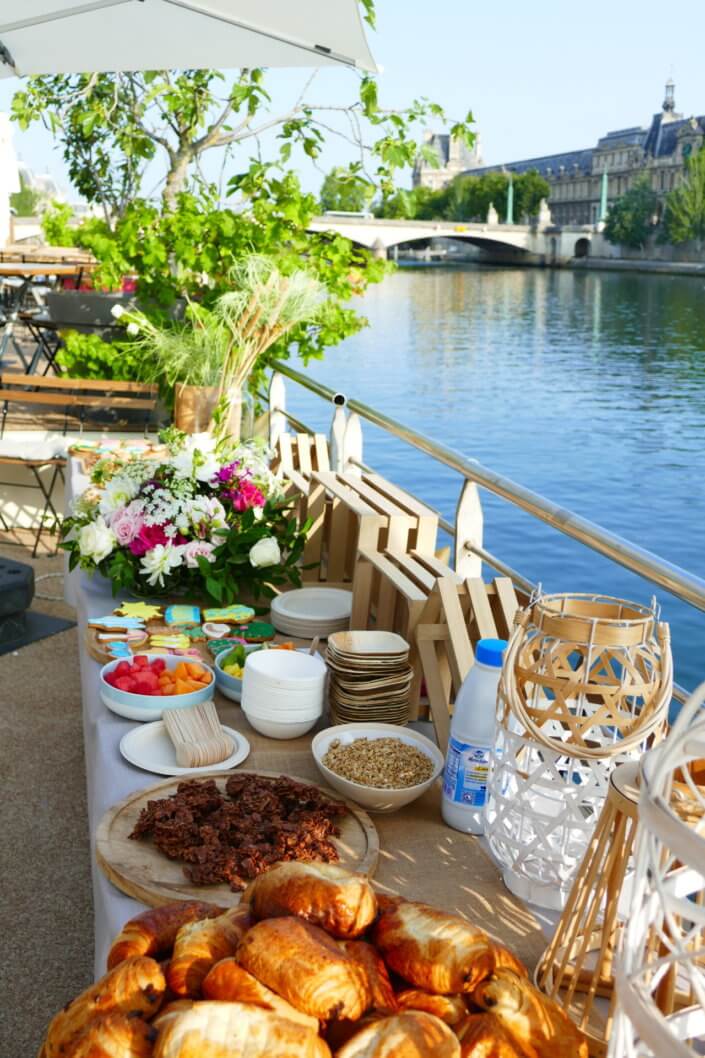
x,y
589,675
661,971
586,684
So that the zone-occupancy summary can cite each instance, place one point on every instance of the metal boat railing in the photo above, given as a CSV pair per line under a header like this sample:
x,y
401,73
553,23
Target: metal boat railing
x,y
678,581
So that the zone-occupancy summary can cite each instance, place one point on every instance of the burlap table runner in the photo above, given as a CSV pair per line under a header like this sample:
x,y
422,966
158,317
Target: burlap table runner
x,y
420,857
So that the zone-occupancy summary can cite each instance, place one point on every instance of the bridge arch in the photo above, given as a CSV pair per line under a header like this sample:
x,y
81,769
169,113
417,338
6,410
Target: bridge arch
x,y
582,247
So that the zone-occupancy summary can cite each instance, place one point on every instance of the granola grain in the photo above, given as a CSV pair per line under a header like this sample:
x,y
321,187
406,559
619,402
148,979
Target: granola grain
x,y
385,763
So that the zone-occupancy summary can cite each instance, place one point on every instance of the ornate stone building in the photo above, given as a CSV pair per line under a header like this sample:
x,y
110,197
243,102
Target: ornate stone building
x,y
658,151
453,158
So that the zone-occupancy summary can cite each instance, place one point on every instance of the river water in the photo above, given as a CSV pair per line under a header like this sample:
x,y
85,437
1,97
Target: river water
x,y
588,388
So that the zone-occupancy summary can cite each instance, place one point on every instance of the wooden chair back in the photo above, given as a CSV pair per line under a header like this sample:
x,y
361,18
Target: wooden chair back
x,y
456,617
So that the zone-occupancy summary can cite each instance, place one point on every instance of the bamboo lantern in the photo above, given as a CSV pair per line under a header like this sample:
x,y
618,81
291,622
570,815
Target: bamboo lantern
x,y
586,683
577,967
660,973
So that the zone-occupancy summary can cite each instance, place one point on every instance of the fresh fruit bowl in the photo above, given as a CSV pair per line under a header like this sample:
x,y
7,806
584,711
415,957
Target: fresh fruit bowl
x,y
156,682
228,682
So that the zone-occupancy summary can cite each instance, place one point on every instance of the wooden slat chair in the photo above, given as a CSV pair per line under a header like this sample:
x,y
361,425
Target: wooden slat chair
x,y
456,617
50,454
393,592
301,452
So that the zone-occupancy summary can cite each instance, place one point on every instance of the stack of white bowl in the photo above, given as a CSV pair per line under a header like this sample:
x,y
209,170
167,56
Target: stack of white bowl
x,y
283,692
308,612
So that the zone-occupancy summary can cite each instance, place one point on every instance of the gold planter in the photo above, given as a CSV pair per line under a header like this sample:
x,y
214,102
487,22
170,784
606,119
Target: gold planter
x,y
193,407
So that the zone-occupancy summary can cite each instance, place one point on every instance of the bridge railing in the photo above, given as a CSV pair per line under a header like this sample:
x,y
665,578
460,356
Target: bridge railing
x,y
346,451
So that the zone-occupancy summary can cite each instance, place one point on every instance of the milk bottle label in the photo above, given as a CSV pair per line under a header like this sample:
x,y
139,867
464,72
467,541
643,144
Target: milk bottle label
x,y
465,776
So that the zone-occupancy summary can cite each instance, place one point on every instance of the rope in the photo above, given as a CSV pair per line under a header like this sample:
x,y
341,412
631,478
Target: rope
x,y
48,598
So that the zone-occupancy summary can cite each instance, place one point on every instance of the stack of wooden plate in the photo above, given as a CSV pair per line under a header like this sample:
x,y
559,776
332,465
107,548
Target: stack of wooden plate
x,y
370,677
308,612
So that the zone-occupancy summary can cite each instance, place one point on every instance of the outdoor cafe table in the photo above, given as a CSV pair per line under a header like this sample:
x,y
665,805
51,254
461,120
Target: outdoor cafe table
x,y
419,856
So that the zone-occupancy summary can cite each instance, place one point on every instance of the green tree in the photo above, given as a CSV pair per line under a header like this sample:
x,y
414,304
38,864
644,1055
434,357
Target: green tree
x,y
684,215
112,126
430,204
27,201
529,188
346,189
630,220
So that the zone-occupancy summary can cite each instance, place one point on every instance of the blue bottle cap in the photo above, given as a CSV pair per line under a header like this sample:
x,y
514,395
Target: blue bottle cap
x,y
490,651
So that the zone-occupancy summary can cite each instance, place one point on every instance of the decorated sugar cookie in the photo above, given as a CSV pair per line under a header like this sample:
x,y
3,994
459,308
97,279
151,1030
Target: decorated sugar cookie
x,y
170,640
182,615
119,650
217,646
116,623
194,632
258,632
139,609
230,615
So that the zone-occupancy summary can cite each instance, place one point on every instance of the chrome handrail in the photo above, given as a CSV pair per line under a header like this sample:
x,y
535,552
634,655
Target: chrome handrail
x,y
675,579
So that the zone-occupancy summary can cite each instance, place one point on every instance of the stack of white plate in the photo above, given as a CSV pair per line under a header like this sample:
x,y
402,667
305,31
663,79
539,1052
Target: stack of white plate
x,y
308,612
283,692
370,677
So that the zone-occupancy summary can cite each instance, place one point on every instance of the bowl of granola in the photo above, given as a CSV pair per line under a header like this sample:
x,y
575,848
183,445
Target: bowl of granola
x,y
379,766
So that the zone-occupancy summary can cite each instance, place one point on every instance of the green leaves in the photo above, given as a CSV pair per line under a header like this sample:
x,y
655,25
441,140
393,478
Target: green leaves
x,y
630,220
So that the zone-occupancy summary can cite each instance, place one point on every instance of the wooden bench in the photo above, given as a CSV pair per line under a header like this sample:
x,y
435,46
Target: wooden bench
x,y
75,394
50,455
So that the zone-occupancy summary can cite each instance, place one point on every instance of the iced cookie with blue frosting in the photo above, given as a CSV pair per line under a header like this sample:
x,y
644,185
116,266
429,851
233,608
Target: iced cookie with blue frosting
x,y
237,614
181,614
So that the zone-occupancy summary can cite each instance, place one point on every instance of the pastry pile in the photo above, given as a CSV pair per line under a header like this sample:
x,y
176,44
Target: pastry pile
x,y
312,963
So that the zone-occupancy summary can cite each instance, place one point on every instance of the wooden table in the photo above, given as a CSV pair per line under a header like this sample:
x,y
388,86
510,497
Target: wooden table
x,y
419,856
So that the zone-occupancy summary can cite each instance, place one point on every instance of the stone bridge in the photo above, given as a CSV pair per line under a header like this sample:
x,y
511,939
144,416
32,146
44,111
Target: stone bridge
x,y
542,242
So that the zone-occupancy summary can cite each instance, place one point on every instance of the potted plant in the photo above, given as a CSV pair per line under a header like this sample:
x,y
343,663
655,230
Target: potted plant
x,y
208,358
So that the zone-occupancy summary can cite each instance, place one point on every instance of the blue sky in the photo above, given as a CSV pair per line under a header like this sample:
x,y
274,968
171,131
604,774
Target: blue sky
x,y
539,77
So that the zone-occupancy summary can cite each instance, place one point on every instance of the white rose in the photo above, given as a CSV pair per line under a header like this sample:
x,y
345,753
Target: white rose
x,y
96,540
117,494
117,311
265,553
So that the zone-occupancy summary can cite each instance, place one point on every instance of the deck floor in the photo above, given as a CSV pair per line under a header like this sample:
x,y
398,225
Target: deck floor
x,y
47,915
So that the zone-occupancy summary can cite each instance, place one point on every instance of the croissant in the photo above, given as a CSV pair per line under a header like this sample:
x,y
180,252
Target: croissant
x,y
236,1030
199,945
342,903
304,965
382,998
154,931
432,950
228,980
538,1025
484,1036
411,1034
136,986
506,960
115,1036
171,1010
451,1009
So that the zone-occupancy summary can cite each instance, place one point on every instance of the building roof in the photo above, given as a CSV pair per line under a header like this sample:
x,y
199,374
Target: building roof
x,y
568,159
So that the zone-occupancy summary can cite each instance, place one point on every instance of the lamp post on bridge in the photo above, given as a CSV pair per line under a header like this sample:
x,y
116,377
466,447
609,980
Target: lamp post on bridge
x,y
509,219
603,196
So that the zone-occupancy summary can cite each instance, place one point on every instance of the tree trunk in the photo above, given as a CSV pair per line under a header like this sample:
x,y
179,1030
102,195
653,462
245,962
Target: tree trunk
x,y
176,177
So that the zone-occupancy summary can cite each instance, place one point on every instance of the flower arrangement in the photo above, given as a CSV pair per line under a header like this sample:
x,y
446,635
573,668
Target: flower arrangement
x,y
208,520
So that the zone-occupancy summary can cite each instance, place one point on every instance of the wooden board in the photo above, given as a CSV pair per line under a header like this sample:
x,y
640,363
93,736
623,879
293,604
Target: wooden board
x,y
143,872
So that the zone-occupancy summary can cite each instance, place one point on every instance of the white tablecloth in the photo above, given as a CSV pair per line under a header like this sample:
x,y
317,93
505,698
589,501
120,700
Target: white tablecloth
x,y
110,778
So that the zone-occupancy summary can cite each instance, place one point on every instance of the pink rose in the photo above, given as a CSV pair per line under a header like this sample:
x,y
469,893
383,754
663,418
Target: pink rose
x,y
195,549
246,496
126,523
148,537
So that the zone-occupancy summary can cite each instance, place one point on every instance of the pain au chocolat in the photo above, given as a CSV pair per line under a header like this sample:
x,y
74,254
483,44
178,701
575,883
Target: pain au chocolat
x,y
538,1025
229,981
307,967
340,902
136,986
412,1034
432,950
236,1030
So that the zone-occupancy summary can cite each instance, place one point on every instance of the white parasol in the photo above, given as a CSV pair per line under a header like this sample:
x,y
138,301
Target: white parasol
x,y
61,36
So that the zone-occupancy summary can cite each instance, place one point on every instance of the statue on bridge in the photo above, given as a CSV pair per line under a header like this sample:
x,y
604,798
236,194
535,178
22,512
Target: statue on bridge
x,y
492,215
